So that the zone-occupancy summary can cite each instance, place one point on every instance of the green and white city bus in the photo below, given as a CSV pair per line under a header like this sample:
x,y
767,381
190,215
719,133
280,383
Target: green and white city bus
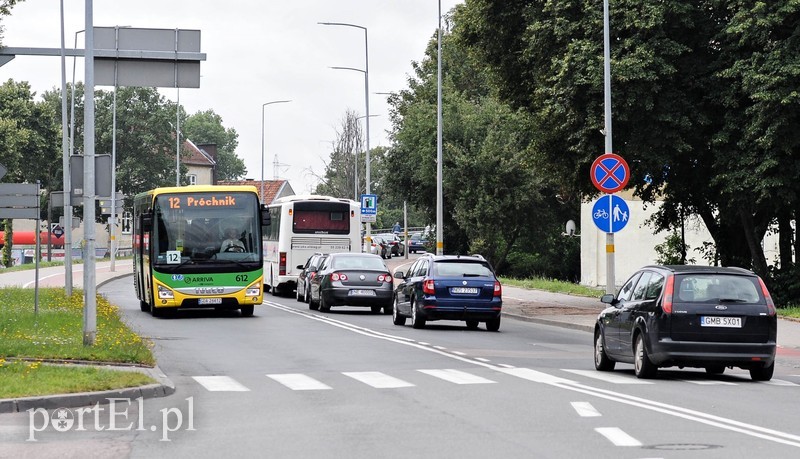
x,y
197,247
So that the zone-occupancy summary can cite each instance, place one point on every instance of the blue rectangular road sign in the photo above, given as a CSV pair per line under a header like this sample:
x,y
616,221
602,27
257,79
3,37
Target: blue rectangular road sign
x,y
369,207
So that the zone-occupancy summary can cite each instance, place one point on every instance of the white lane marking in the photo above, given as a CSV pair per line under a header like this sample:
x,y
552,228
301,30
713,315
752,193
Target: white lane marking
x,y
441,348
504,365
378,380
457,377
708,382
297,381
617,436
220,384
752,430
458,352
608,376
585,409
481,359
779,382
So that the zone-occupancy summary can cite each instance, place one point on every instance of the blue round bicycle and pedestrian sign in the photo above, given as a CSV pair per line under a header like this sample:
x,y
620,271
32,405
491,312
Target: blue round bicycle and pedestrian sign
x,y
610,213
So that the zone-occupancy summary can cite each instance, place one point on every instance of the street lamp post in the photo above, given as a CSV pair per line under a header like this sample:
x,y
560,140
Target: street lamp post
x,y
366,96
439,177
262,142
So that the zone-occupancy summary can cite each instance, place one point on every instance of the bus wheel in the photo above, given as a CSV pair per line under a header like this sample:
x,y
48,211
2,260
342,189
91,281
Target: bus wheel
x,y
144,306
247,311
156,312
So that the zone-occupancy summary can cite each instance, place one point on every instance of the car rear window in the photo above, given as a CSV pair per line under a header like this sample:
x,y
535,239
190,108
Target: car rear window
x,y
461,269
698,288
358,263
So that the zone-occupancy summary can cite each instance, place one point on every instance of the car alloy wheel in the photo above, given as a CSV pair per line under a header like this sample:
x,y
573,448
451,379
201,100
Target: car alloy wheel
x,y
601,360
416,321
642,365
397,318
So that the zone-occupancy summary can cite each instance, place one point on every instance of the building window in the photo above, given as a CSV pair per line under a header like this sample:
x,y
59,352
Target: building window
x,y
192,179
127,218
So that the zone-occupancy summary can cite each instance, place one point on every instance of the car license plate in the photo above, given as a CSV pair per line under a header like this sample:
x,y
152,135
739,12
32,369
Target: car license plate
x,y
362,293
209,301
464,290
716,321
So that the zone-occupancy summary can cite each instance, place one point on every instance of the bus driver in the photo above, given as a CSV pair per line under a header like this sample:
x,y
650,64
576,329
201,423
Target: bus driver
x,y
232,243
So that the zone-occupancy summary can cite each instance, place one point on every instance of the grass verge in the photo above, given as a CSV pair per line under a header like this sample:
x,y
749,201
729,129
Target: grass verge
x,y
555,286
30,378
56,333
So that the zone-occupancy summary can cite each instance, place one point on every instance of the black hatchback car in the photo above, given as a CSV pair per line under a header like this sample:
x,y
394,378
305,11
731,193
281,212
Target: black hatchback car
x,y
353,279
688,316
307,271
448,287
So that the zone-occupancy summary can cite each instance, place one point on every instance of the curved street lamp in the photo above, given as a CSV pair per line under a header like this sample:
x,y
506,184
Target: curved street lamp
x,y
262,141
365,71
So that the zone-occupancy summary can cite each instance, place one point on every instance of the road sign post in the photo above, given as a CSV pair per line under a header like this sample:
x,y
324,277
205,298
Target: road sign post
x,y
610,173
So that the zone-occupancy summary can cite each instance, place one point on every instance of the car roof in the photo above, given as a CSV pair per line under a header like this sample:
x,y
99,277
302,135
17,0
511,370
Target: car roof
x,y
689,269
470,258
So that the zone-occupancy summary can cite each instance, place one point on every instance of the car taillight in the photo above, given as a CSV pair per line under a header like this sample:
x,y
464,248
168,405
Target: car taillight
x,y
282,264
498,289
427,287
385,278
770,304
339,277
666,305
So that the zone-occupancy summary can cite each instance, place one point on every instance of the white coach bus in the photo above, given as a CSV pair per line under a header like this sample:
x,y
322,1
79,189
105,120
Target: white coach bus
x,y
302,226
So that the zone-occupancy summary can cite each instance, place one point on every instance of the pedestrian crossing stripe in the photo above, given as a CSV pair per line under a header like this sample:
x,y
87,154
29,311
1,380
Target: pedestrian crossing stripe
x,y
380,380
220,384
297,381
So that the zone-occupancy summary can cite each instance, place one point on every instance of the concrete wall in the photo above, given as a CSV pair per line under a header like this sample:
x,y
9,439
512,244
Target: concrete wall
x,y
635,244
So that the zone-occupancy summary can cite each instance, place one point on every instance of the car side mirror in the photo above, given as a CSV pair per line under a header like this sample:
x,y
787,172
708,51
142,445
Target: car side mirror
x,y
399,275
300,267
608,298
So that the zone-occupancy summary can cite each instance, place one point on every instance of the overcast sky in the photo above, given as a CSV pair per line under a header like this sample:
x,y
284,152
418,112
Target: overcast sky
x,y
257,51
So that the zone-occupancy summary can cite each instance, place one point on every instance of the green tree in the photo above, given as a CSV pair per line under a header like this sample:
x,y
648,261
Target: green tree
x,y
696,87
206,127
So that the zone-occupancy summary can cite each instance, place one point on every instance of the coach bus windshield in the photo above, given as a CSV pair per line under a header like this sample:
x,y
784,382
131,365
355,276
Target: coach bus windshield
x,y
206,226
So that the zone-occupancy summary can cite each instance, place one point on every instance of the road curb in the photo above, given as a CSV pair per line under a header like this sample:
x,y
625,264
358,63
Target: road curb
x,y
164,387
554,323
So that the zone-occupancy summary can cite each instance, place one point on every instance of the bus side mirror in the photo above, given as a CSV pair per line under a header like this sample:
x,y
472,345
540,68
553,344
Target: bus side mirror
x,y
266,220
147,222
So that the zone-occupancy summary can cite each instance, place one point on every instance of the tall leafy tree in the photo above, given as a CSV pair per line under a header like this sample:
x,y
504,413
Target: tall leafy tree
x,y
494,195
695,90
206,127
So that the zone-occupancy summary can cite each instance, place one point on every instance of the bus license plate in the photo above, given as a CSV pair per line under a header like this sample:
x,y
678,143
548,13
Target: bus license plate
x,y
209,301
716,321
362,293
462,290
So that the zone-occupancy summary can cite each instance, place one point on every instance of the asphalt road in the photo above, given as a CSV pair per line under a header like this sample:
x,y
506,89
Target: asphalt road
x,y
290,382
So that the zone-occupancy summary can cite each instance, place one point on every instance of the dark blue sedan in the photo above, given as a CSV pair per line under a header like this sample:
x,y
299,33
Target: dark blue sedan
x,y
448,287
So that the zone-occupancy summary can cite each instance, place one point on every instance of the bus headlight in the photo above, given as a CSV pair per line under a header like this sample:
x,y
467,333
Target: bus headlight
x,y
253,291
165,293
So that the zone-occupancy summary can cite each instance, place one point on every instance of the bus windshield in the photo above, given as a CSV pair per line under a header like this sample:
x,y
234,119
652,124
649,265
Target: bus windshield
x,y
206,226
